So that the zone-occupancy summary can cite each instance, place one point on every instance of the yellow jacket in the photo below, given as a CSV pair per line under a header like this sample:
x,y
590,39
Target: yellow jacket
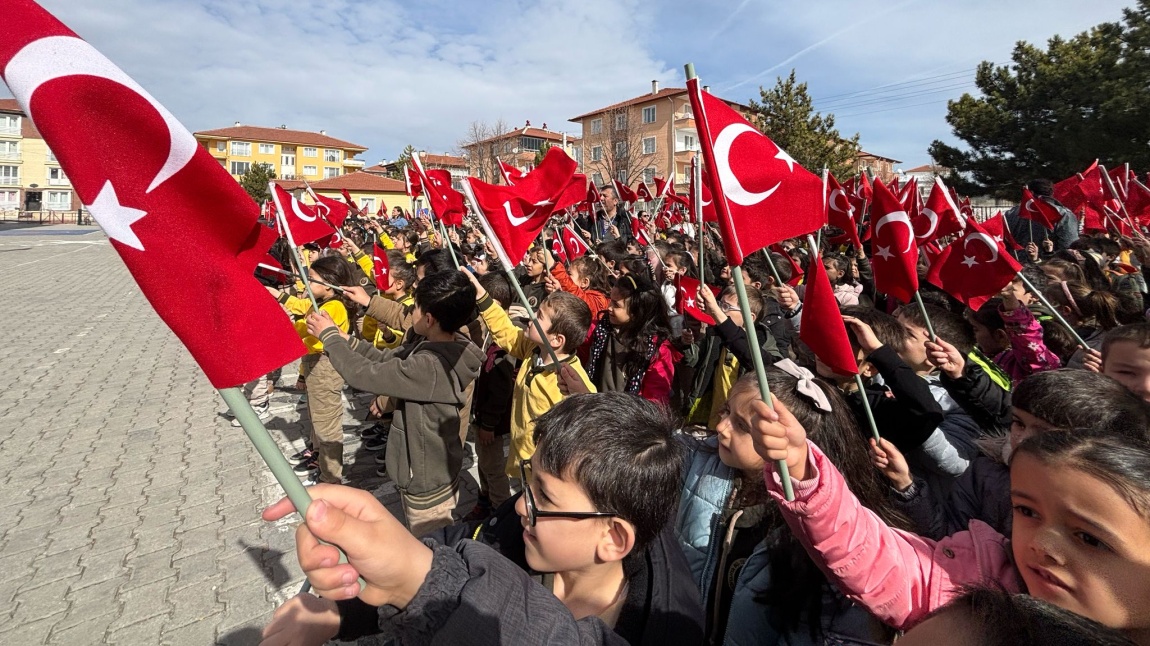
x,y
296,306
536,390
334,307
372,331
365,263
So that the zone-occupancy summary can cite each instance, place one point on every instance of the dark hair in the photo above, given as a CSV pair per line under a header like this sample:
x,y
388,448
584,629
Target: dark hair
x,y
435,261
682,259
400,269
1119,460
1034,274
1091,269
1000,618
988,315
449,297
1067,269
1136,333
570,316
754,299
948,326
614,251
1078,399
757,270
495,283
886,327
1041,187
636,265
648,311
796,582
840,263
621,450
593,271
1093,306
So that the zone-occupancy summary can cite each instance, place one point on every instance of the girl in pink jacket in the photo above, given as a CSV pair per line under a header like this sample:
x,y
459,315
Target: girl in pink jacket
x,y
1081,527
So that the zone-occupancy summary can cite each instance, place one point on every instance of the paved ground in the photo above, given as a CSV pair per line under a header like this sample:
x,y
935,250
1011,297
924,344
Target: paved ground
x,y
129,508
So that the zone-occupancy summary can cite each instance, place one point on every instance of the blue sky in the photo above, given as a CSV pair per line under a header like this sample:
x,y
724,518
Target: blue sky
x,y
384,73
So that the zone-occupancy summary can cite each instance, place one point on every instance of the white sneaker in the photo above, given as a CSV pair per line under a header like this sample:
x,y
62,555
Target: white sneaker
x,y
263,412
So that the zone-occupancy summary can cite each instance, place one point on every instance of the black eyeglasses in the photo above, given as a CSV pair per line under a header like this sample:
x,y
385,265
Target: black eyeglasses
x,y
534,514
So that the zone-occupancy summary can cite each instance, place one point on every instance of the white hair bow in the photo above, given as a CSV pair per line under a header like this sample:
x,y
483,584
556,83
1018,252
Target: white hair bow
x,y
806,386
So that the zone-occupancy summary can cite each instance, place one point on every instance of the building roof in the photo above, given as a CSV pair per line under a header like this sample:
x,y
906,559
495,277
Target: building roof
x,y
10,105
863,153
289,184
529,131
442,160
661,94
363,182
927,168
280,135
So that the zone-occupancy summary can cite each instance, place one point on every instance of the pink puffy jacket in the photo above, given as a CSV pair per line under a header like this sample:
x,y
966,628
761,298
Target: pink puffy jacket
x,y
900,577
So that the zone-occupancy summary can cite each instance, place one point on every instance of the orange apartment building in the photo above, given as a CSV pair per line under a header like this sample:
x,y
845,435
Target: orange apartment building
x,y
516,148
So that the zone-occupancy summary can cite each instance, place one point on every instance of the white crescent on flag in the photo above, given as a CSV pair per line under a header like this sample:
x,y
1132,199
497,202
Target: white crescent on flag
x,y
732,187
55,57
933,218
900,217
984,239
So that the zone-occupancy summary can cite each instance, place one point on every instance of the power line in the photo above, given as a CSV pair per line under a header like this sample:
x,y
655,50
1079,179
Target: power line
x,y
895,98
950,85
901,107
925,80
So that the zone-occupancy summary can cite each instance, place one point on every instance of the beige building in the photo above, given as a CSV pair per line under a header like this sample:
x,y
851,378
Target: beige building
x,y
516,148
644,137
453,164
31,180
293,154
369,190
876,165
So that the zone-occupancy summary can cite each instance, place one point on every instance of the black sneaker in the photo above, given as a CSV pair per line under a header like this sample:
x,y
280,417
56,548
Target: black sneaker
x,y
381,472
303,456
306,466
375,444
381,458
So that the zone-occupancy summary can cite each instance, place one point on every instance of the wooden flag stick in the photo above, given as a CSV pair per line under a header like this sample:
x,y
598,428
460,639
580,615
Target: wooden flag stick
x,y
697,198
748,325
1053,311
291,244
297,276
774,269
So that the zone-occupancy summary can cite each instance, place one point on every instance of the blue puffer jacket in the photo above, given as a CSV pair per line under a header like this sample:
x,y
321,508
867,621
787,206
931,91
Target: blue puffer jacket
x,y
702,534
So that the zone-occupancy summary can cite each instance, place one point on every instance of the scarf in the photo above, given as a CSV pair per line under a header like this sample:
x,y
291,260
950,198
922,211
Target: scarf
x,y
599,340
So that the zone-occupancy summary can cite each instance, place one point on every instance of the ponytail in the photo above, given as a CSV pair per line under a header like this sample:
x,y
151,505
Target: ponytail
x,y
1098,307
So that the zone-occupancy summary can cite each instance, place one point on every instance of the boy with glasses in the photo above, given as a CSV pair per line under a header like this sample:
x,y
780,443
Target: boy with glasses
x,y
581,556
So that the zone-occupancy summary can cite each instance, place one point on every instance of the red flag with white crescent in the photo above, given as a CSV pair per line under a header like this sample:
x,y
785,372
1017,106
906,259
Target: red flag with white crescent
x,y
512,221
510,173
445,201
558,250
380,267
172,213
761,194
708,201
894,254
997,229
687,301
644,193
303,222
334,211
1038,210
572,243
973,268
624,192
841,212
412,183
939,217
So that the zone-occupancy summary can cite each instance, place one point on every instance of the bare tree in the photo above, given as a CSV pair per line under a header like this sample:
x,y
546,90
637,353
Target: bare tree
x,y
616,151
481,152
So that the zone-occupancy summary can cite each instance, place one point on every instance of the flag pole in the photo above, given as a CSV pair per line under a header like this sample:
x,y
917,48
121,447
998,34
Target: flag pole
x,y
697,198
819,244
748,318
1121,202
774,269
858,377
925,316
291,244
1053,311
508,269
297,276
447,242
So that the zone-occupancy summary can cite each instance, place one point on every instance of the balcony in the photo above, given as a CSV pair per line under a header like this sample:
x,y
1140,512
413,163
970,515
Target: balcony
x,y
11,157
63,181
354,163
10,181
6,131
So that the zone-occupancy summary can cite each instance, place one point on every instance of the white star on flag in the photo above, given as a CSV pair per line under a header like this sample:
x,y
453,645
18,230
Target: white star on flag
x,y
969,261
885,253
787,158
690,302
116,219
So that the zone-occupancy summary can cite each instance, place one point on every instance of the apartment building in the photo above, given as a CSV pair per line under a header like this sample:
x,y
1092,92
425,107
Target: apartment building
x,y
31,179
516,148
293,154
369,190
457,166
643,137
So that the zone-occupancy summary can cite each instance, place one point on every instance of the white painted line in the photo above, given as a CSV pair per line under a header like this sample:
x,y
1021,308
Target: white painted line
x,y
32,262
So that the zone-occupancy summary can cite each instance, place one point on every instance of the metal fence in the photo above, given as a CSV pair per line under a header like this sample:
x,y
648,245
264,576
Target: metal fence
x,y
46,217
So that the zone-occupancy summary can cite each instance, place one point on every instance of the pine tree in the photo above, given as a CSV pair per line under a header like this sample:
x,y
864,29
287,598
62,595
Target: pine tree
x,y
255,182
404,160
787,116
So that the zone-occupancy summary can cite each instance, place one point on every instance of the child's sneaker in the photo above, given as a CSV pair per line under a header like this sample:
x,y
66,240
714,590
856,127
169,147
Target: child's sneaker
x,y
312,478
306,466
305,455
375,444
263,412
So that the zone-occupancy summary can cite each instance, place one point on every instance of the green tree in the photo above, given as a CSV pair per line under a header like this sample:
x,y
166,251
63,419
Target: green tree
x,y
255,182
542,152
403,160
1051,112
787,116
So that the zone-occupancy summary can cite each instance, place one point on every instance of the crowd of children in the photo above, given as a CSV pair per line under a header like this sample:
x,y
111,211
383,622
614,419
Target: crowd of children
x,y
626,458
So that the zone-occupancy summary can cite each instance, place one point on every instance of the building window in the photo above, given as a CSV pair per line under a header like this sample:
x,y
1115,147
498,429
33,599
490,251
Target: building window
x,y
330,155
9,124
649,114
329,173
620,122
622,177
649,175
267,149
620,149
221,146
310,152
52,157
310,171
241,149
241,168
648,145
577,154
597,153
530,143
56,177
689,142
597,179
367,204
9,175
596,126
9,150
9,199
58,201
688,112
